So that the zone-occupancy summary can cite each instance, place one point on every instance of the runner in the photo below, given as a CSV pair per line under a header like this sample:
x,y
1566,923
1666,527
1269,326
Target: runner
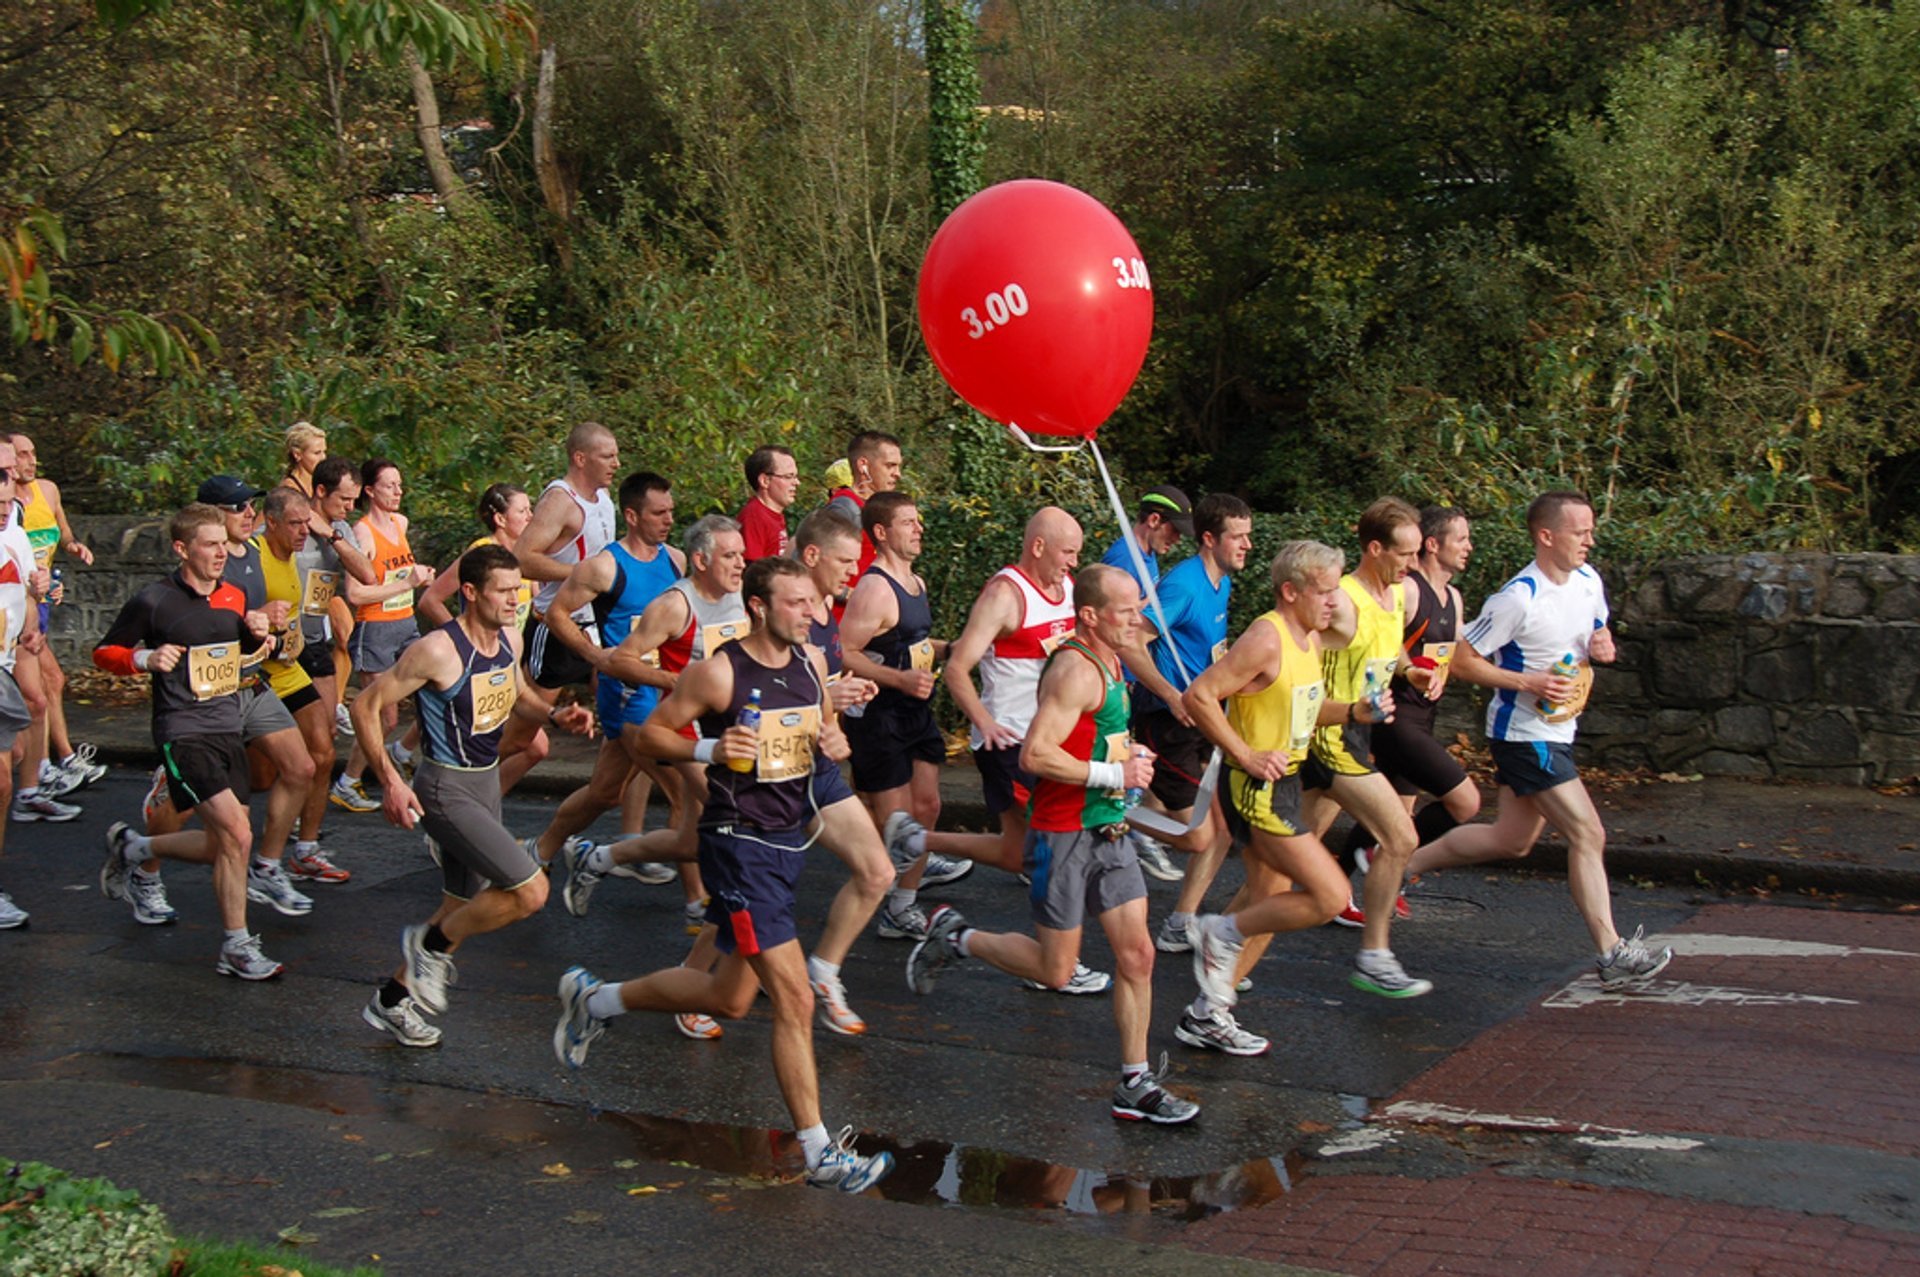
x,y
1164,516
752,844
20,634
383,621
193,638
1553,608
873,459
773,477
1078,854
463,679
306,449
573,520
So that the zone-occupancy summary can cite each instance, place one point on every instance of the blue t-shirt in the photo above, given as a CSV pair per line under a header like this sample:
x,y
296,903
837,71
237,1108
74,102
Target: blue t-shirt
x,y
1118,557
1196,611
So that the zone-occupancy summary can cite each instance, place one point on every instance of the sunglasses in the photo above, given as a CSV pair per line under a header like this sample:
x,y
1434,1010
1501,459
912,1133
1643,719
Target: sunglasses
x,y
236,507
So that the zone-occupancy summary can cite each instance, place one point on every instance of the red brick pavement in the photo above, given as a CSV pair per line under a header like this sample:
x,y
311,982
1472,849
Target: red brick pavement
x,y
1492,1223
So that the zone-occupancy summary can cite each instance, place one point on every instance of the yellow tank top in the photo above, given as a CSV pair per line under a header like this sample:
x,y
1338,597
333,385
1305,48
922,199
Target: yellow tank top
x,y
1376,643
525,606
42,529
391,561
282,580
1282,714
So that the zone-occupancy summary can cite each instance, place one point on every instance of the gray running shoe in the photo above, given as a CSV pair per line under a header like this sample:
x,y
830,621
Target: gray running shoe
x,y
842,1168
268,885
1083,980
653,873
580,880
1219,1032
403,1020
695,914
1384,977
40,807
1146,1101
115,872
937,950
351,795
148,895
429,974
58,782
84,762
908,924
1154,860
902,830
942,870
11,914
1172,937
342,720
1631,961
577,1027
246,961
1214,959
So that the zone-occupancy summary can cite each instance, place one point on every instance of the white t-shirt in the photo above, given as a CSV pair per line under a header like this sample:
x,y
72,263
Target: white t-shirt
x,y
1527,625
16,564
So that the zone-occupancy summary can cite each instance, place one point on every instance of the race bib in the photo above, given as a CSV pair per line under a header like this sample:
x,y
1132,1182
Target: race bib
x,y
491,696
321,586
292,643
1381,669
402,602
1567,710
1441,654
1119,750
788,739
718,635
522,612
1305,717
213,669
1219,651
1050,642
920,656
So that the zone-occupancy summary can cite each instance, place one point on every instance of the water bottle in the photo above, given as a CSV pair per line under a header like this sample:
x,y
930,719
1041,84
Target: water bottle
x,y
1136,795
749,718
1566,667
53,590
1376,704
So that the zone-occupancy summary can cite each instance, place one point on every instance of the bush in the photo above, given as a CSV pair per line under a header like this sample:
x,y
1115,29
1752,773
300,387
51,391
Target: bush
x,y
55,1225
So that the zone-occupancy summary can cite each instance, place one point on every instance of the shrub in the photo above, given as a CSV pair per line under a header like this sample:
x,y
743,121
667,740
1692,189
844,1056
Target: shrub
x,y
53,1224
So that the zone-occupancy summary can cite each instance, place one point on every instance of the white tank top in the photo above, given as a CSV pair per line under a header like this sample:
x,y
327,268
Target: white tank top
x,y
596,532
1010,670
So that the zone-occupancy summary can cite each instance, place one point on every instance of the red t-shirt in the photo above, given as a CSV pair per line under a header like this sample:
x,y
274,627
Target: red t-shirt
x,y
764,531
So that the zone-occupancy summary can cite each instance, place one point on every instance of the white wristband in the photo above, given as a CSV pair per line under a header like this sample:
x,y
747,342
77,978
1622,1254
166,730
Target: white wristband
x,y
703,749
1106,775
141,659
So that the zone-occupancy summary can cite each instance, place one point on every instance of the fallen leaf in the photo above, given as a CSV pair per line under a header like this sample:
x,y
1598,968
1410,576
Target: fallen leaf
x,y
339,1212
625,1164
1313,1128
384,1157
103,1144
353,1139
292,1236
641,1190
559,1170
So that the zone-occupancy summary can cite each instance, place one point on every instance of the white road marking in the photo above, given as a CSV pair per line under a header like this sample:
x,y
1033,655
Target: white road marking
x,y
1448,1115
1650,1143
1364,1140
1588,991
1702,945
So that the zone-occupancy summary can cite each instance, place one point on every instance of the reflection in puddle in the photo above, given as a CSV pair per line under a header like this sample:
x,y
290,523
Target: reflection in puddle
x,y
926,1173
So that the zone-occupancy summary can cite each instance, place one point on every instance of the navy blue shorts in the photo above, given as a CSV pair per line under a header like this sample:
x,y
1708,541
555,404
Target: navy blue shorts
x,y
749,876
829,786
1530,766
1003,782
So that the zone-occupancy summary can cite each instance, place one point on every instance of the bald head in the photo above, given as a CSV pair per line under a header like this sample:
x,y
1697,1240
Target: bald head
x,y
1051,548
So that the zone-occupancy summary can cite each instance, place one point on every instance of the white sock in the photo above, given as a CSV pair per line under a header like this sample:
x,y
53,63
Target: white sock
x,y
1201,1008
604,1002
401,754
138,848
900,899
1130,1074
821,969
263,864
1373,958
1178,921
1230,929
305,848
917,843
814,1142
963,942
599,860
236,938
144,876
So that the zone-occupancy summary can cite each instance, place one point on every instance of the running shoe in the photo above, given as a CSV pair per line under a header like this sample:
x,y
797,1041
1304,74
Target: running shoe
x,y
429,974
1214,959
580,880
402,761
11,914
115,872
902,832
81,765
1145,1100
937,949
40,807
830,999
1154,860
267,885
403,1020
695,914
1219,1032
701,1028
352,795
1352,915
1083,980
342,720
1630,961
907,924
1363,858
148,894
158,799
245,960
942,870
56,782
1385,978
1172,937
577,1027
312,865
850,1172
653,873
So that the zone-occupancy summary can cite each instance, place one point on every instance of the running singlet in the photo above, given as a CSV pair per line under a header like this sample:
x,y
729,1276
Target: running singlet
x,y
391,559
1010,670
904,647
460,727
596,534
200,695
281,580
776,796
1430,631
1196,611
243,574
1375,647
17,562
321,578
636,583
1528,624
825,636
35,515
1099,737
710,625
1283,714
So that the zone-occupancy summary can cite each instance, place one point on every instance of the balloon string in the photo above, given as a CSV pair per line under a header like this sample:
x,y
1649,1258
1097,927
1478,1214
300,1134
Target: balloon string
x,y
1139,563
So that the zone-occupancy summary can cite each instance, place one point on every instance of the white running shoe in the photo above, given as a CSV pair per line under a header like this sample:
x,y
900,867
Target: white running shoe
x,y
429,974
1083,980
830,999
11,914
148,894
842,1168
26,809
577,1027
246,961
268,884
403,1020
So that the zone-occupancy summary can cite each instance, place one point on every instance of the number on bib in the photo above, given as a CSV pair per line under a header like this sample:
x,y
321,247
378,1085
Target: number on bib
x,y
321,586
491,696
213,669
787,741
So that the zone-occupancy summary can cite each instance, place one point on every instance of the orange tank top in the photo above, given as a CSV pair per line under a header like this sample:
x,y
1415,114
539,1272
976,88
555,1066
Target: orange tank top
x,y
392,559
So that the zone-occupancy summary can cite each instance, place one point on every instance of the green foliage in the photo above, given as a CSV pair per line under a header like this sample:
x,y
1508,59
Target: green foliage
x,y
200,1258
53,1224
956,137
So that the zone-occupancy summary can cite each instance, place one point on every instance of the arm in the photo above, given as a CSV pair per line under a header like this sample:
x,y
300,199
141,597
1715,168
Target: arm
x,y
995,612
363,594
1346,623
1250,660
705,687
585,582
833,741
353,560
68,542
433,603
873,610
663,618
556,519
123,650
1499,620
1072,687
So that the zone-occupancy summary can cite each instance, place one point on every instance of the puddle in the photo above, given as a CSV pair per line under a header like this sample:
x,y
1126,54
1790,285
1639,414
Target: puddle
x,y
929,1173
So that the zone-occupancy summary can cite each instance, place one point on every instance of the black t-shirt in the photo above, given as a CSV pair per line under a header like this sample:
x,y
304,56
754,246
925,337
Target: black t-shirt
x,y
210,627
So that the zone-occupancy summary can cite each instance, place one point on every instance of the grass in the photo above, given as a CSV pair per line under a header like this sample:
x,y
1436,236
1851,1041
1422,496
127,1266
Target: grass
x,y
194,1257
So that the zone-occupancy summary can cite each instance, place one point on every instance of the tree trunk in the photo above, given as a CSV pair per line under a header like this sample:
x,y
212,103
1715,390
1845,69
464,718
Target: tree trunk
x,y
453,192
546,162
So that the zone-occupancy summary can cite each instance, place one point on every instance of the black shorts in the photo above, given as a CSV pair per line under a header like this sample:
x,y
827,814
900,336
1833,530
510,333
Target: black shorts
x,y
1180,755
886,746
200,767
551,663
1530,766
1407,754
1003,782
300,698
316,658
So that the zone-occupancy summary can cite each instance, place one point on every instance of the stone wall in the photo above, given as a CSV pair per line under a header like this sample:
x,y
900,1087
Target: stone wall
x,y
1796,665
128,552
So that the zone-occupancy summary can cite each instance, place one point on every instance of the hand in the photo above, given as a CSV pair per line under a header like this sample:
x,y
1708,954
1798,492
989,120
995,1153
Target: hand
x,y
737,744
258,625
1267,764
995,736
166,657
834,743
1421,678
575,720
58,594
919,683
422,575
1600,647
79,551
1549,687
39,583
277,613
847,691
398,802
33,644
1139,769
1364,712
1178,708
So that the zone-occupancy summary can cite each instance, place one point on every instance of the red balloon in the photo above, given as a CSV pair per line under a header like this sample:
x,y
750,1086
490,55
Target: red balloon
x,y
1036,307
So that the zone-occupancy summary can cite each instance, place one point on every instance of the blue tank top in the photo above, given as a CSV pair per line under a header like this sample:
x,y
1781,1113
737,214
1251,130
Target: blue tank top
x,y
904,647
460,727
776,796
636,583
825,635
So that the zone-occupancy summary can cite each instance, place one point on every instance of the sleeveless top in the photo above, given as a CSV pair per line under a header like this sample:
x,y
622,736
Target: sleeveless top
x,y
460,727
776,796
904,647
1099,737
636,583
1434,621
1010,669
392,558
1283,714
710,625
1376,644
825,635
597,525
282,581
42,529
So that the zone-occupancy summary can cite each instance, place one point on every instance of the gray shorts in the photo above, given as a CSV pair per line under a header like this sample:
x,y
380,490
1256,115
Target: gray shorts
x,y
14,717
463,815
376,645
262,714
1080,873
